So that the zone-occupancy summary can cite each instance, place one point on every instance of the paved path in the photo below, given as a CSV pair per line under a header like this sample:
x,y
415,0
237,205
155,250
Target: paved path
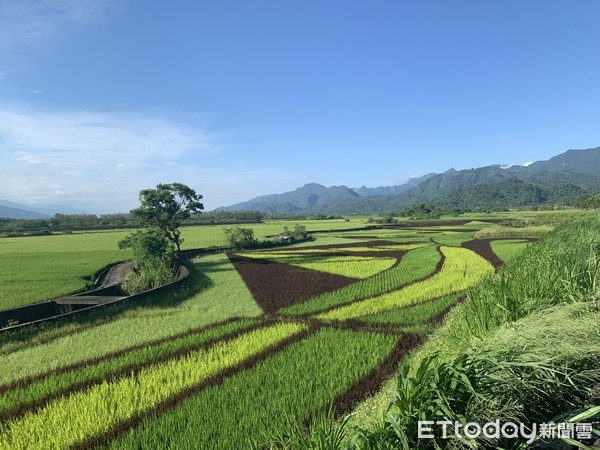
x,y
116,274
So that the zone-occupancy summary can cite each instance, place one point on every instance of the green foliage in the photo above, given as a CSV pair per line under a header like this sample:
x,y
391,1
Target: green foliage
x,y
589,201
239,237
147,245
297,233
386,219
153,258
166,207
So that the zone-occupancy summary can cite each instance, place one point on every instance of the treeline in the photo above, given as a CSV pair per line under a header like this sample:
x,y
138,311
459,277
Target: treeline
x,y
72,222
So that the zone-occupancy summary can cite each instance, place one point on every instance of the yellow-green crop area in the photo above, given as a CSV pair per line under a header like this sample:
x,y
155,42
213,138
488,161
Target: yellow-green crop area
x,y
253,342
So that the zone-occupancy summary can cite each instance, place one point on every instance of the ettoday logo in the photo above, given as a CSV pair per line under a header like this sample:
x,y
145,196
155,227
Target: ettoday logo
x,y
429,429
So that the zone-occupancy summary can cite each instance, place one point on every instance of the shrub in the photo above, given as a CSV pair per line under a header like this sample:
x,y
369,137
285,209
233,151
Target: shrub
x,y
239,237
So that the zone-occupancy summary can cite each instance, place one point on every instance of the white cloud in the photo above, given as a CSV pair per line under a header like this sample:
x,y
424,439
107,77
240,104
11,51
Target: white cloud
x,y
97,156
99,161
28,21
528,163
82,138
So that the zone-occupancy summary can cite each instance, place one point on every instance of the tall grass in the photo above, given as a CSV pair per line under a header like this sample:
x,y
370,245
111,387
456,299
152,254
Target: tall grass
x,y
524,344
563,267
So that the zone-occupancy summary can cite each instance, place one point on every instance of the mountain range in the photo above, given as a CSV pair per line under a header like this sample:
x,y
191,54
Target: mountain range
x,y
562,178
14,210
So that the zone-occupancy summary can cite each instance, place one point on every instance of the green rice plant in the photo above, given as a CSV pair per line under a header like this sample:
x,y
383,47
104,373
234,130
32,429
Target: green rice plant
x,y
65,381
323,433
215,292
462,268
400,246
349,266
280,392
83,415
453,239
508,249
35,269
414,265
541,306
415,314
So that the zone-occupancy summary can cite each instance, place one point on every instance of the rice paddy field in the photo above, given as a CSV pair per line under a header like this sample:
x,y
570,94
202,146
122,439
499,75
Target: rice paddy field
x,y
254,342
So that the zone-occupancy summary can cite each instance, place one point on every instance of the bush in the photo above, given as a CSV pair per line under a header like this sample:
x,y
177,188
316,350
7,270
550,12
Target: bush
x,y
153,260
239,237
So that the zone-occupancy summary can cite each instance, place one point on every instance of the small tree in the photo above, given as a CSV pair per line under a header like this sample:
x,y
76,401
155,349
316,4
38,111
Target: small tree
x,y
299,232
239,237
165,208
152,260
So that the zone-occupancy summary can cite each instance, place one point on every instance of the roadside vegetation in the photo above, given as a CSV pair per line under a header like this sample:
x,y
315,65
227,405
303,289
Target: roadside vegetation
x,y
523,347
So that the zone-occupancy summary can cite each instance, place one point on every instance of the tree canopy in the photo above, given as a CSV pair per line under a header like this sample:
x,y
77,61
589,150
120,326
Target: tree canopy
x,y
166,207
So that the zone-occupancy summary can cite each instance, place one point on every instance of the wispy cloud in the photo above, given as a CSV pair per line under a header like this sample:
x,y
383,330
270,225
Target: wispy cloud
x,y
27,21
80,153
84,138
99,161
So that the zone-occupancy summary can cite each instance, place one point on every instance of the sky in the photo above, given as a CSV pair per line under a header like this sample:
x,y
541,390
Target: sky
x,y
100,99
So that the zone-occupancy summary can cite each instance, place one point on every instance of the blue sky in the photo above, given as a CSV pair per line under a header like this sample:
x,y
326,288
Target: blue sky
x,y
102,98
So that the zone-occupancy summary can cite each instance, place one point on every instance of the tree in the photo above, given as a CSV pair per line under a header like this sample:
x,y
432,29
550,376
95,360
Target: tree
x,y
165,208
239,237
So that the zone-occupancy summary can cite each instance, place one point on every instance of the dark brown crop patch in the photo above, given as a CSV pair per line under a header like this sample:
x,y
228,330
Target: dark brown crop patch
x,y
483,248
276,285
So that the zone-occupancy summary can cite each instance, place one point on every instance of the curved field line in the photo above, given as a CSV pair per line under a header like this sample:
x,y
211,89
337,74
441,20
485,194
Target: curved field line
x,y
376,285
85,415
371,382
461,269
23,382
35,396
484,249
